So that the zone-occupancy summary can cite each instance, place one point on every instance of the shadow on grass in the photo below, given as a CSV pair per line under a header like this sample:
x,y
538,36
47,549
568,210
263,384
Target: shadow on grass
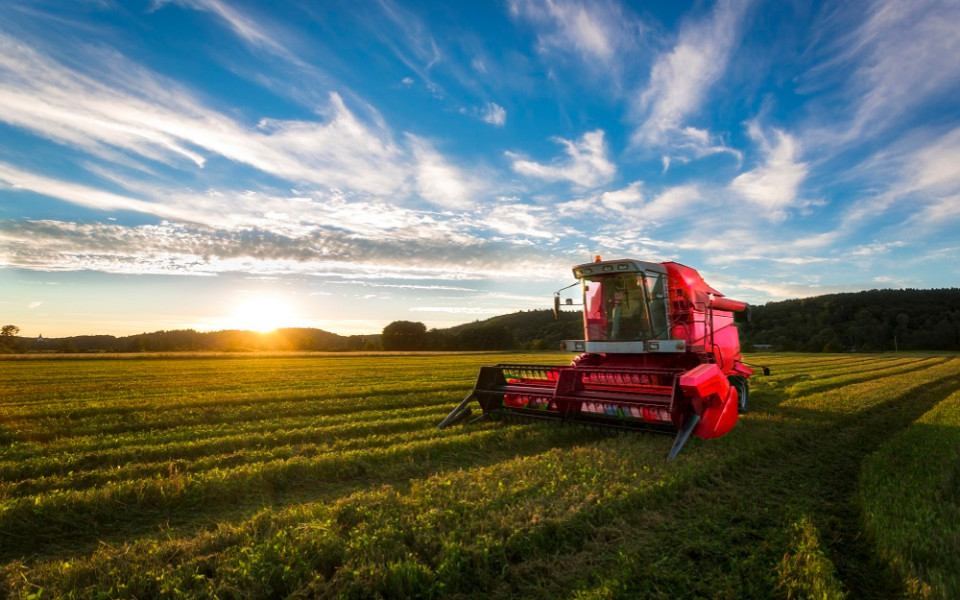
x,y
828,383
722,529
725,534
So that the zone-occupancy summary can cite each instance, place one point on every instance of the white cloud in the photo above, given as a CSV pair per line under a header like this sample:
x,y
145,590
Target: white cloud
x,y
409,39
934,167
90,197
905,56
674,203
941,211
592,29
680,79
623,200
920,173
626,206
462,310
248,28
586,165
494,114
774,290
172,248
774,185
128,113
436,180
521,220
407,286
874,248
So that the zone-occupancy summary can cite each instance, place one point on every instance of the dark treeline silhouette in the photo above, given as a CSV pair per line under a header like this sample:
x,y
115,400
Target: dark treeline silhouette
x,y
301,339
871,321
528,330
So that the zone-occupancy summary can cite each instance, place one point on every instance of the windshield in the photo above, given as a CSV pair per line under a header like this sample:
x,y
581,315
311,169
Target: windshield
x,y
614,308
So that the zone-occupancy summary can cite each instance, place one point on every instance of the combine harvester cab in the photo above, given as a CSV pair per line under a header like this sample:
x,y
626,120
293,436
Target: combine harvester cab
x,y
660,353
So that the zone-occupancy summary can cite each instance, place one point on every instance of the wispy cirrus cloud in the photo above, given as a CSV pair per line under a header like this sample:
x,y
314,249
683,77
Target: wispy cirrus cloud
x,y
438,181
409,39
521,221
594,30
630,208
460,310
890,58
875,248
291,215
774,185
932,169
919,171
681,78
127,109
90,197
586,163
248,28
674,203
773,290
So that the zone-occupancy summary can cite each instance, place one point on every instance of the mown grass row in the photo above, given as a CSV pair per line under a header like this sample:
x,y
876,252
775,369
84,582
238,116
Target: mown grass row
x,y
493,511
910,492
345,434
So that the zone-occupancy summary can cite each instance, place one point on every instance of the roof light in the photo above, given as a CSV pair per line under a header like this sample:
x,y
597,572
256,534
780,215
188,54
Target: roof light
x,y
597,258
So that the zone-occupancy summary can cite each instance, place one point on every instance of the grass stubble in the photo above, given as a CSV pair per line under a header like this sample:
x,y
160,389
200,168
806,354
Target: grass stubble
x,y
308,476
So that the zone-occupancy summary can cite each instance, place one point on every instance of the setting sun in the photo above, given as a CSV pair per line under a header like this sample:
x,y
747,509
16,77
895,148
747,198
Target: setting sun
x,y
262,313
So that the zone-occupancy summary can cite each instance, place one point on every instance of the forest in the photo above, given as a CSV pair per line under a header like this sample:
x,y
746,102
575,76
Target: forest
x,y
870,321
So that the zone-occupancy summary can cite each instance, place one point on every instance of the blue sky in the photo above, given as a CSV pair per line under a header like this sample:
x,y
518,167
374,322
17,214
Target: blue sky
x,y
214,163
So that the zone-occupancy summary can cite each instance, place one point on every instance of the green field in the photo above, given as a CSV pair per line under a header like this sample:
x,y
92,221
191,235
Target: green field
x,y
324,476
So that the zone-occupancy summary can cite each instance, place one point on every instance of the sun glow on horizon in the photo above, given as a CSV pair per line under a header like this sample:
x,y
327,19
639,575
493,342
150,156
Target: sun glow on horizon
x,y
262,313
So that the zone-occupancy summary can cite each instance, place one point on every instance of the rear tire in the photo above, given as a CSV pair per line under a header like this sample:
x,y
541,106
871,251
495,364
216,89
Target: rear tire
x,y
743,391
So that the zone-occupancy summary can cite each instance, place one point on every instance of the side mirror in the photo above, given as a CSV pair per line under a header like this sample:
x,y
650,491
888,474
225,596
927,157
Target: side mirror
x,y
556,306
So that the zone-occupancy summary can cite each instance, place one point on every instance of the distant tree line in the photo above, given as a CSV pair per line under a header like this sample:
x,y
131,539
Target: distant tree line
x,y
292,339
870,321
527,330
407,335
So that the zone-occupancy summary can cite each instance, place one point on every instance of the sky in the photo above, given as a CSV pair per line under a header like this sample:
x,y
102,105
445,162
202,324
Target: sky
x,y
213,164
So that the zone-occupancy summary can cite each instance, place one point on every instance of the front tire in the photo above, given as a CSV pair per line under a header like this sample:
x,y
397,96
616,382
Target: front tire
x,y
743,391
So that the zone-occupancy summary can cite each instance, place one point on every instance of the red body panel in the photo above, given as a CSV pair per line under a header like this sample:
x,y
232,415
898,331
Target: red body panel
x,y
703,318
717,400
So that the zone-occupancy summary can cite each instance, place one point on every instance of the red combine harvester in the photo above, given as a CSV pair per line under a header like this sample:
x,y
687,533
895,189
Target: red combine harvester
x,y
661,353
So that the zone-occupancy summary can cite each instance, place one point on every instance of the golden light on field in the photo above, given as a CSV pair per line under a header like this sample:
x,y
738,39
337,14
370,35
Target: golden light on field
x,y
261,312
